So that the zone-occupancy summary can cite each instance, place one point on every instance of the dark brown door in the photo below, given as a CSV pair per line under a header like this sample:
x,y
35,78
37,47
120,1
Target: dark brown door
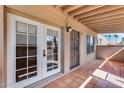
x,y
74,49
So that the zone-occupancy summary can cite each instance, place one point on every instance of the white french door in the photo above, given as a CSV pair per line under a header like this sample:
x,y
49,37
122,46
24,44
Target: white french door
x,y
51,50
23,56
33,51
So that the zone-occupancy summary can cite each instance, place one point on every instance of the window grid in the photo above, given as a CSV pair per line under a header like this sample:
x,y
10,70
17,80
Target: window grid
x,y
90,44
27,54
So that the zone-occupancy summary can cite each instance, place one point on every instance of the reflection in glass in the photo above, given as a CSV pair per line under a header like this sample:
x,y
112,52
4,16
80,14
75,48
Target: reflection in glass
x,y
32,75
56,57
21,51
49,65
49,40
32,40
32,50
49,69
21,63
49,57
55,64
21,75
32,61
56,50
32,69
52,50
21,39
49,51
26,51
21,27
49,43
55,67
32,29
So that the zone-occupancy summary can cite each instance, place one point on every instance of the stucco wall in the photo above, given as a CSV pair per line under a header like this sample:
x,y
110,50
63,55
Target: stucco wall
x,y
48,15
103,52
119,56
1,48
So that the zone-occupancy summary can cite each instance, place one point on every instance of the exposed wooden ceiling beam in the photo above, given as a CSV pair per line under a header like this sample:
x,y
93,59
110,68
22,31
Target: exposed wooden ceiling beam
x,y
84,9
117,12
109,31
101,18
112,26
71,8
98,12
107,28
115,20
108,25
105,19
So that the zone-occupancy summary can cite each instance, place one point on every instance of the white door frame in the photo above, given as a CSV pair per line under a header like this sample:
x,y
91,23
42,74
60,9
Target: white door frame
x,y
11,51
45,73
41,44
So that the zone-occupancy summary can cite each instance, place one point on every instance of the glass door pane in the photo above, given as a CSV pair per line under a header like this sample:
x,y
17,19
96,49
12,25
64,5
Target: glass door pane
x,y
52,50
32,50
26,51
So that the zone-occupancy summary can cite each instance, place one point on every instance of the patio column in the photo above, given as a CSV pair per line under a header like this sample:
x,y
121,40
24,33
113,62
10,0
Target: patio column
x,y
66,51
1,46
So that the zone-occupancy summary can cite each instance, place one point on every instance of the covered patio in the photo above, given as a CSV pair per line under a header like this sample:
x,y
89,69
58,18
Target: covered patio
x,y
58,47
88,76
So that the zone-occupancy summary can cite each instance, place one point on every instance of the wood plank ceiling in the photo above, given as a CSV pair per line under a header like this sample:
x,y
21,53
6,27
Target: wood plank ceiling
x,y
100,18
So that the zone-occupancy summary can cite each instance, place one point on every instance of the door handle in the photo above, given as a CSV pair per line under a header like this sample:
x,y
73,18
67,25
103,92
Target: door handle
x,y
44,53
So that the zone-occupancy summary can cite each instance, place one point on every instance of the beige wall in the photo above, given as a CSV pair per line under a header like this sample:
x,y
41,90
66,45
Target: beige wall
x,y
118,57
92,55
42,13
83,44
103,52
1,48
51,16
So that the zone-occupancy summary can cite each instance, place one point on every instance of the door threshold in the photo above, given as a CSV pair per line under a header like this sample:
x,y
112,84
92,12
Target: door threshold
x,y
43,82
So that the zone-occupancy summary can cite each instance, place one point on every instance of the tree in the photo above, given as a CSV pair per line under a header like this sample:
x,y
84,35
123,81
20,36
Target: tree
x,y
122,41
116,37
109,36
100,41
105,36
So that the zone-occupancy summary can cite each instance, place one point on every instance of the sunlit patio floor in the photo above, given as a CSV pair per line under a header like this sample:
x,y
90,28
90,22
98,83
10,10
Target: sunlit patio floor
x,y
91,75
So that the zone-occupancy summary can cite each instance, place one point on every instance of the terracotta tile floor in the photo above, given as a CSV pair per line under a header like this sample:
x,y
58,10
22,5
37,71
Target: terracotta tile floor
x,y
76,78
